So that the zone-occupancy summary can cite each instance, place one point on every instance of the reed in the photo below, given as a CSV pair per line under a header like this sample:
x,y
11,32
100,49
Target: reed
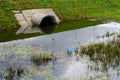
x,y
107,53
41,58
13,71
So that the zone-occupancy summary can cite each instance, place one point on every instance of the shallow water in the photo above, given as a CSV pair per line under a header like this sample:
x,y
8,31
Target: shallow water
x,y
19,52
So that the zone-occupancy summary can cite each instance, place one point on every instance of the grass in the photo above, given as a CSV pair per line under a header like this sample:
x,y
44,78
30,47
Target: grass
x,y
12,71
40,58
64,26
65,9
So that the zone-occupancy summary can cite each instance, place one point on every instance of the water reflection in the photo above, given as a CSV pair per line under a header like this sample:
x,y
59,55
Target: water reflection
x,y
85,69
48,29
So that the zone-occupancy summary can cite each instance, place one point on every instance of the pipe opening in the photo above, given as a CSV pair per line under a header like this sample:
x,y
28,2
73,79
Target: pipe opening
x,y
48,24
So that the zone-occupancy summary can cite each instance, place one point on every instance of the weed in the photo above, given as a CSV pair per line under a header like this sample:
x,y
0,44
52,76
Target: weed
x,y
12,71
41,58
107,53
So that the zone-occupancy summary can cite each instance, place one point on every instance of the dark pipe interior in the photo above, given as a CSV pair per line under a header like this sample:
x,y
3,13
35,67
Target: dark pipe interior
x,y
48,24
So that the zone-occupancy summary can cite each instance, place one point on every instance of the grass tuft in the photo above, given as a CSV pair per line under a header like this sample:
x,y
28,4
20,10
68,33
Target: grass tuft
x,y
13,71
41,58
107,53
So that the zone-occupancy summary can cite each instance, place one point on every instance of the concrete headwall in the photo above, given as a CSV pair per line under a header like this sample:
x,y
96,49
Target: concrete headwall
x,y
31,20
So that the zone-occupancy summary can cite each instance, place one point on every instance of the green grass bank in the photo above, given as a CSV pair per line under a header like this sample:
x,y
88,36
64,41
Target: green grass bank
x,y
67,10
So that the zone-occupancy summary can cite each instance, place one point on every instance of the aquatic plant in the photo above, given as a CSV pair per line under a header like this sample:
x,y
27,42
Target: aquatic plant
x,y
9,75
13,71
41,58
20,71
107,53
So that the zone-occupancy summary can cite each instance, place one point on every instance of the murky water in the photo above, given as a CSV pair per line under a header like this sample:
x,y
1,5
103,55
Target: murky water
x,y
19,53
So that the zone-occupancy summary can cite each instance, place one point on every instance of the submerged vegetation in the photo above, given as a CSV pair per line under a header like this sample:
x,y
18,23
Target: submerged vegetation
x,y
103,56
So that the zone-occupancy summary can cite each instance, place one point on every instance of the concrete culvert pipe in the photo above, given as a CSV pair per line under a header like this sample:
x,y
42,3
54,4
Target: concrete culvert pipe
x,y
47,23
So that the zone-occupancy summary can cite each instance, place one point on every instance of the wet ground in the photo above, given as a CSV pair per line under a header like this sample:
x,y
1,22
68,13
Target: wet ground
x,y
19,52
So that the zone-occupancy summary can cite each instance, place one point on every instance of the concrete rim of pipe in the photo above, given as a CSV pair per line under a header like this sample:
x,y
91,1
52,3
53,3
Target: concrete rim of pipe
x,y
47,23
40,20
